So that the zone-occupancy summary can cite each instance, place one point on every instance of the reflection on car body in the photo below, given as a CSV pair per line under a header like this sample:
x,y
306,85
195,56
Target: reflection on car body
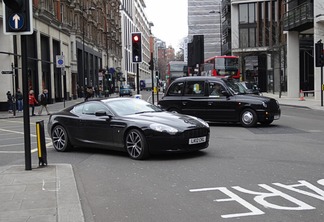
x,y
219,100
125,90
126,124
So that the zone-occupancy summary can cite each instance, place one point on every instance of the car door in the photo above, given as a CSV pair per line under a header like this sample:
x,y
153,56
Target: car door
x,y
96,130
194,98
172,100
220,105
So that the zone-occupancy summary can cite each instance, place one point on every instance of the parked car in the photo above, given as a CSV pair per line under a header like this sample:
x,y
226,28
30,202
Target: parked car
x,y
126,124
125,90
218,100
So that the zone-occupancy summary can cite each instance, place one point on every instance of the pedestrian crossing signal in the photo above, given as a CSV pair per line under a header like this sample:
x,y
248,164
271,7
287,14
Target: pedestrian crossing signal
x,y
137,47
17,17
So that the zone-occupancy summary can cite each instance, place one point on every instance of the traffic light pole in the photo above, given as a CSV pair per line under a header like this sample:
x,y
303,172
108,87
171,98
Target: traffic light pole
x,y
152,73
28,165
322,86
137,78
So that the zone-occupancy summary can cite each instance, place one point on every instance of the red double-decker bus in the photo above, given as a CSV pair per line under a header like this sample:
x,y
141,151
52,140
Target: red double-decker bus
x,y
175,70
223,66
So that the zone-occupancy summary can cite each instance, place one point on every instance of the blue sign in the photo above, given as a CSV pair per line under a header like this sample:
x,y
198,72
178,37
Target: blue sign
x,y
16,21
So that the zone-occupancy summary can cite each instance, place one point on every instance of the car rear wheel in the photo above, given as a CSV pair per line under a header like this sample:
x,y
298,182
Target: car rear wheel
x,y
136,145
248,118
60,139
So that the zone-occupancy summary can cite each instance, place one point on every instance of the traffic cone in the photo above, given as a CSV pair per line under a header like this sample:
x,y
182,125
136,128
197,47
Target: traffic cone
x,y
301,96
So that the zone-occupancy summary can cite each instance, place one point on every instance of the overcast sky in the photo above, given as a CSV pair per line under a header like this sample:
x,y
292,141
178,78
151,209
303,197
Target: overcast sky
x,y
170,20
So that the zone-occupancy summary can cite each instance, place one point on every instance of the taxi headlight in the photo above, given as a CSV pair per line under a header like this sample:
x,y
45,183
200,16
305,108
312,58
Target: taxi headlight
x,y
264,105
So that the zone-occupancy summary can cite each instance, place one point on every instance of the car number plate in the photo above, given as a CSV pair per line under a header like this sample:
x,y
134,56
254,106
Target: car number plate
x,y
197,140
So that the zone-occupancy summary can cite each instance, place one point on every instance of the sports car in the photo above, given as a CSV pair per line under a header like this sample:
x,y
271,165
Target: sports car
x,y
126,124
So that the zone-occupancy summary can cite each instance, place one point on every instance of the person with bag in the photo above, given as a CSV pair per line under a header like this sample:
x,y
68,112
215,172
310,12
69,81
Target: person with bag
x,y
32,101
43,101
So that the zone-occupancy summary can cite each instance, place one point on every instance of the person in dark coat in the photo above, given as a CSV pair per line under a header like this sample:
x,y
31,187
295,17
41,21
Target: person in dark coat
x,y
19,99
89,93
10,101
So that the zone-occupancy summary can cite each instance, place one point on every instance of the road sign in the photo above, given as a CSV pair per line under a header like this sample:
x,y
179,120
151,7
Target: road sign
x,y
7,72
60,63
18,17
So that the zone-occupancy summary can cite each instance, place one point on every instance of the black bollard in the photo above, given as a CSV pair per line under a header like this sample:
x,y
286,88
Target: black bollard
x,y
42,153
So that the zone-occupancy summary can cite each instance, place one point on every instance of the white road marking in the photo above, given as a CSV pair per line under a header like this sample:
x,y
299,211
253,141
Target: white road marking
x,y
271,196
33,150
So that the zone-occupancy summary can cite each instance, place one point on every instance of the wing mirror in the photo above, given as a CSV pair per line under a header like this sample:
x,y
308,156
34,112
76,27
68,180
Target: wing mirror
x,y
101,113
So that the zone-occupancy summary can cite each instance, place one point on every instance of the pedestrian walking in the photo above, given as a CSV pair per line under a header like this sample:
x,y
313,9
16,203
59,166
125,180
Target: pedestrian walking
x,y
89,93
10,101
43,101
19,98
32,101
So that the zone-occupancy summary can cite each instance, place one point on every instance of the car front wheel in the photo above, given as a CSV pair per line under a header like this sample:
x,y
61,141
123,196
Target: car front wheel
x,y
60,139
248,118
136,145
174,110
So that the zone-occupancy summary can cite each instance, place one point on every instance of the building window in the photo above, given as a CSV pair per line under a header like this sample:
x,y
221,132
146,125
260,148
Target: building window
x,y
247,25
243,13
244,34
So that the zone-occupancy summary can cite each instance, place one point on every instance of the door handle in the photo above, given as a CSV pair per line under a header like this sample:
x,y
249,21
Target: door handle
x,y
184,103
210,103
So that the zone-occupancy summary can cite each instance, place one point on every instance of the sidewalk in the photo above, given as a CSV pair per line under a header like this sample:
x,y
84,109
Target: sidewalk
x,y
50,193
308,102
43,194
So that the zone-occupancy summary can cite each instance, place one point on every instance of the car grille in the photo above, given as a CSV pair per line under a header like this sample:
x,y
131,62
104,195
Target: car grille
x,y
195,133
272,105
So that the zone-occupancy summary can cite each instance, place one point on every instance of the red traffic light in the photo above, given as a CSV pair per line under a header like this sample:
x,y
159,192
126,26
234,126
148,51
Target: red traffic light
x,y
136,38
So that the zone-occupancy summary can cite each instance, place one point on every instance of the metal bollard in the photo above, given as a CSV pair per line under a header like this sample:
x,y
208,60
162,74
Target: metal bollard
x,y
41,146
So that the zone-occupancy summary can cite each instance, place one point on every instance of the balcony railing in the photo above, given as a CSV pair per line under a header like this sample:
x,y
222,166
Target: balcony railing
x,y
299,18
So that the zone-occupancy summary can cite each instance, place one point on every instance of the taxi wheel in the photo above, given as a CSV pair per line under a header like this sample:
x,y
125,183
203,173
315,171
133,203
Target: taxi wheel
x,y
174,110
248,118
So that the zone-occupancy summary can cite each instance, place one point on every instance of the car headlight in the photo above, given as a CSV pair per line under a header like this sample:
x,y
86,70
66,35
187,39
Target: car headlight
x,y
163,128
264,105
201,121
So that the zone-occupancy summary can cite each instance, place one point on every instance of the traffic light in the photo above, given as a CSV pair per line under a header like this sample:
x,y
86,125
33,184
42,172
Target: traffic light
x,y
18,15
319,56
151,67
137,46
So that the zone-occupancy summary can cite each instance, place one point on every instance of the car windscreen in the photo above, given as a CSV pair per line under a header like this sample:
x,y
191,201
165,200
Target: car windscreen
x,y
125,107
236,87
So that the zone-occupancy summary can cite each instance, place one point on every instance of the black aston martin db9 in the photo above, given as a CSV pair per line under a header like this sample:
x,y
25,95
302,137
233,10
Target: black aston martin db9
x,y
126,124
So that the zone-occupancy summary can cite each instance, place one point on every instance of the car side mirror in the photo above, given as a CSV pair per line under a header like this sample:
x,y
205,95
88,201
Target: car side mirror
x,y
225,93
101,113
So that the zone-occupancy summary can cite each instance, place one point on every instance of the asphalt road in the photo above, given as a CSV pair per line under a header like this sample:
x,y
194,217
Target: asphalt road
x,y
273,173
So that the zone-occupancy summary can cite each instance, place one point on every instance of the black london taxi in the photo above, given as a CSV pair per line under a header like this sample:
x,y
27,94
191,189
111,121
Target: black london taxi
x,y
215,99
